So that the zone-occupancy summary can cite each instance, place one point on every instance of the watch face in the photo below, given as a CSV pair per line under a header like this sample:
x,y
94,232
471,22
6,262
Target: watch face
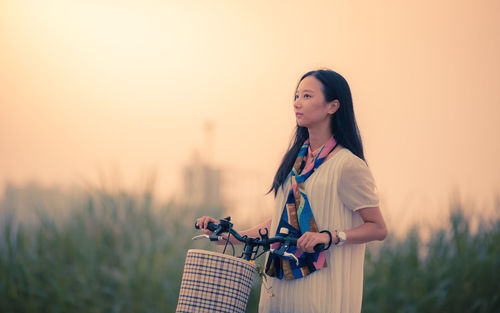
x,y
342,236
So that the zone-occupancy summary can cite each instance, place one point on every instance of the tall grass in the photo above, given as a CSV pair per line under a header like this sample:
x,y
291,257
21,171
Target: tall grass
x,y
116,254
123,253
456,270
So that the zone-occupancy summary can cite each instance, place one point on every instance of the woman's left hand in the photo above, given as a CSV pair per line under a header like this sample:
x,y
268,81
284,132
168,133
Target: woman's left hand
x,y
308,240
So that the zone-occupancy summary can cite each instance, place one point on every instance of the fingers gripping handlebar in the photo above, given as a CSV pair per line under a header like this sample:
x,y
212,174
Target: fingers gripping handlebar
x,y
211,226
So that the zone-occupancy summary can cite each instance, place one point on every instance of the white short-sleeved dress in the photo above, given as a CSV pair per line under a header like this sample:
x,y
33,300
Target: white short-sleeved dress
x,y
342,185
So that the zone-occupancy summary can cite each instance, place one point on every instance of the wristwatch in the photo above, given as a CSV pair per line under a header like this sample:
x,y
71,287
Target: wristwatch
x,y
341,236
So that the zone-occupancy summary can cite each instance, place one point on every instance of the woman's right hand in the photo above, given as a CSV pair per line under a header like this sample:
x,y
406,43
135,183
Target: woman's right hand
x,y
202,222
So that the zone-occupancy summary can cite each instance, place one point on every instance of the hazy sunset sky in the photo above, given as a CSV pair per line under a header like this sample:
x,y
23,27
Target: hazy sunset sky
x,y
127,86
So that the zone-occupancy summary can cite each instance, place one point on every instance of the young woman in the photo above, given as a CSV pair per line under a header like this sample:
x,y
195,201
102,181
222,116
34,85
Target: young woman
x,y
325,193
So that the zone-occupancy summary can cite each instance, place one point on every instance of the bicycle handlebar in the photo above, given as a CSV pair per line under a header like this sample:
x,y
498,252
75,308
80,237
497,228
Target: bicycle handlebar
x,y
264,241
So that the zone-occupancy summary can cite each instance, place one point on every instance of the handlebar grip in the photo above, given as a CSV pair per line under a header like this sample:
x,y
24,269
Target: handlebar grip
x,y
319,247
211,226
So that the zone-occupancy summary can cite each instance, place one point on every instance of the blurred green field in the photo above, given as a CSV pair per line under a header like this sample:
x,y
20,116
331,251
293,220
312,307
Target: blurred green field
x,y
123,253
456,270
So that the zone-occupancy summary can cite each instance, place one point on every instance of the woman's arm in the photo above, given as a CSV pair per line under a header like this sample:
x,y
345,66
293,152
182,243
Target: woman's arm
x,y
373,228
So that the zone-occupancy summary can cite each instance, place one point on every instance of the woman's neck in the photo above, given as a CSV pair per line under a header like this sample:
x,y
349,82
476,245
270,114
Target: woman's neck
x,y
319,135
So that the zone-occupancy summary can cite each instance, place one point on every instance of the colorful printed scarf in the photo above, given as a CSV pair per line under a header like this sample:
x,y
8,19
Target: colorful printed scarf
x,y
298,218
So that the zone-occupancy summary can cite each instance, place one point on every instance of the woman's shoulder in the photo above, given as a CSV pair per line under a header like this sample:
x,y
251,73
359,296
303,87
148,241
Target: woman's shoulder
x,y
336,161
343,155
338,150
353,168
354,162
346,159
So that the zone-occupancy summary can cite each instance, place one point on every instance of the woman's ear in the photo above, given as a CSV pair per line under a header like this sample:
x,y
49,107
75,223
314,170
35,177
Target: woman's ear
x,y
333,106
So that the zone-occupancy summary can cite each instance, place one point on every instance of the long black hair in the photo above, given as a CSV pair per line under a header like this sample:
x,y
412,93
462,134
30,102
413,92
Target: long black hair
x,y
342,123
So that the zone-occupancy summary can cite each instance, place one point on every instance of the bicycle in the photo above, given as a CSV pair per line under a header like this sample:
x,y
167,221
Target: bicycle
x,y
217,282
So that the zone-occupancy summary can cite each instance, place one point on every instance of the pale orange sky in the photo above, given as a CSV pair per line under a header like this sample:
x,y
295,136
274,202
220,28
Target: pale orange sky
x,y
127,86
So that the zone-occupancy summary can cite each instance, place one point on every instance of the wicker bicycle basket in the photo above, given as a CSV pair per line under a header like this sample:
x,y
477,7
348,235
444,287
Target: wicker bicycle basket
x,y
215,282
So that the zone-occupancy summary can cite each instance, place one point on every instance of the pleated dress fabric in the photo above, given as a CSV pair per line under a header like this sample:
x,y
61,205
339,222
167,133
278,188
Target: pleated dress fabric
x,y
342,185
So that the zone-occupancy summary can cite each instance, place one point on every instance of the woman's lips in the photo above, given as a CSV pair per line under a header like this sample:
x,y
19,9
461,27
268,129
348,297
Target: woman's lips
x,y
298,114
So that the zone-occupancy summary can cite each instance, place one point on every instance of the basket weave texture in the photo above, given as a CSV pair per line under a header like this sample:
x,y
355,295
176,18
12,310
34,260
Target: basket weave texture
x,y
215,282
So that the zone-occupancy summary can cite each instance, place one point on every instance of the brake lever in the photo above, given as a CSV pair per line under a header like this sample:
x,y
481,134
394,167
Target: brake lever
x,y
284,253
207,237
200,237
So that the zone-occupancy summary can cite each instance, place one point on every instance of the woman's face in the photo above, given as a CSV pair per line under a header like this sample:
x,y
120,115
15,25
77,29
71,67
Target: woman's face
x,y
310,106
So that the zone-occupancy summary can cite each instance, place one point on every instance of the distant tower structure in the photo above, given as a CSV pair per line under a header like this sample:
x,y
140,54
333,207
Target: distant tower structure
x,y
209,132
202,180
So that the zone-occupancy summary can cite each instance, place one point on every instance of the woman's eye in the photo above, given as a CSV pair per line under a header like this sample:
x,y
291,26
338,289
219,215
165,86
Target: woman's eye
x,y
305,96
